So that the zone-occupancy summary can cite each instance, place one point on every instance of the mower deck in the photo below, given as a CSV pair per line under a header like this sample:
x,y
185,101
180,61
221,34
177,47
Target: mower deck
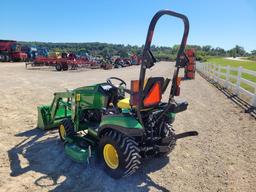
x,y
79,148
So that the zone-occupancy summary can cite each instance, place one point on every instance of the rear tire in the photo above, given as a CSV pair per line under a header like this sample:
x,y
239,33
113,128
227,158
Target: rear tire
x,y
66,129
127,151
58,67
65,67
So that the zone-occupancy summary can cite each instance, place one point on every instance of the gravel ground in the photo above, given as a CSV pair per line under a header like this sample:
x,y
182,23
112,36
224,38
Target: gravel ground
x,y
221,158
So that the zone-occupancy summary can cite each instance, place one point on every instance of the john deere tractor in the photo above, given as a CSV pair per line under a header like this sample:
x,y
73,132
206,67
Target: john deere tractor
x,y
98,119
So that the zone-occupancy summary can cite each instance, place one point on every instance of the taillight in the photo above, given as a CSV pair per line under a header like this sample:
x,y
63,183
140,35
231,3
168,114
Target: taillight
x,y
177,91
134,99
135,85
178,80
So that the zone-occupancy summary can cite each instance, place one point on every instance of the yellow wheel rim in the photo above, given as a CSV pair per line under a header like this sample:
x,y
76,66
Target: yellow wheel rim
x,y
110,156
62,132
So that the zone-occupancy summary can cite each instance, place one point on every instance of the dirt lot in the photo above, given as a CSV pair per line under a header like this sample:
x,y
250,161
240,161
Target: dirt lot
x,y
221,158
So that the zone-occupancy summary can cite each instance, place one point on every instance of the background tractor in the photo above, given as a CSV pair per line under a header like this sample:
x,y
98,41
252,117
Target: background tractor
x,y
123,131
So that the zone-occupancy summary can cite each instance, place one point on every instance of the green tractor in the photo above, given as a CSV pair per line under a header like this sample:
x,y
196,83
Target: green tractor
x,y
99,120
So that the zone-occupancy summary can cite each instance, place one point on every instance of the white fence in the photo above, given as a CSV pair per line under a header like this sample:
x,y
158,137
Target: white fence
x,y
231,78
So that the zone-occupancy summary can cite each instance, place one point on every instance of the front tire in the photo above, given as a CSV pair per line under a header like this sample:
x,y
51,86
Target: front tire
x,y
66,129
119,154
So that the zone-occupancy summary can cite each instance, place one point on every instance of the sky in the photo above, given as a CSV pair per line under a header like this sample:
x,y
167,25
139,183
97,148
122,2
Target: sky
x,y
219,23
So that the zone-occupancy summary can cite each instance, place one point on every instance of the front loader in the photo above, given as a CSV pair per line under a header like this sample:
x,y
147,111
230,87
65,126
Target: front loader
x,y
123,131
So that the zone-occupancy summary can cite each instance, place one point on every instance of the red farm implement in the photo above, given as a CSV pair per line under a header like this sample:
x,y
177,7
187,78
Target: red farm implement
x,y
64,63
190,69
11,51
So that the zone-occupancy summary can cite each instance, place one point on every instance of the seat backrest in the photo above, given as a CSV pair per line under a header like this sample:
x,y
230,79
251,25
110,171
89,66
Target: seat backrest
x,y
152,92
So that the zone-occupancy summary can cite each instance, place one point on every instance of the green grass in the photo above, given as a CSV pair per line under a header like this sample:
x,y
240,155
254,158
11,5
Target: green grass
x,y
250,65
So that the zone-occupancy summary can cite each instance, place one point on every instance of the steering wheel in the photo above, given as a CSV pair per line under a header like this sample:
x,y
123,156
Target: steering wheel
x,y
122,82
122,89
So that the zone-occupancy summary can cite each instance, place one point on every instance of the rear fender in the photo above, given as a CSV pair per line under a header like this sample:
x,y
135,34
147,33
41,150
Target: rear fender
x,y
125,124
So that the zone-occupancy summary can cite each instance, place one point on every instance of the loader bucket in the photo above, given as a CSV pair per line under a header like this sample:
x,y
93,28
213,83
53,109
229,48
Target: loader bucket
x,y
44,117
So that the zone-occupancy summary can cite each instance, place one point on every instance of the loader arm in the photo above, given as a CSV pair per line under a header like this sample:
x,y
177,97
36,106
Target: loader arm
x,y
56,103
49,116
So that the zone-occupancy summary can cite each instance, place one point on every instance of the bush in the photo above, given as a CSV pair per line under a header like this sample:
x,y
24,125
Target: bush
x,y
201,56
253,58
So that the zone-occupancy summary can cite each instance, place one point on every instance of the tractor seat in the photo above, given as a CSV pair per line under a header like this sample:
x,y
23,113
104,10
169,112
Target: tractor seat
x,y
152,92
124,103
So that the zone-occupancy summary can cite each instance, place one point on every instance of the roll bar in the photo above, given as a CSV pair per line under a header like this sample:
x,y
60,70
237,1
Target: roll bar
x,y
148,59
151,29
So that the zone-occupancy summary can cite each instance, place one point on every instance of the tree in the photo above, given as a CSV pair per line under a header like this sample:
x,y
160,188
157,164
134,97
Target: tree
x,y
237,51
219,51
105,52
240,50
206,48
253,52
160,52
